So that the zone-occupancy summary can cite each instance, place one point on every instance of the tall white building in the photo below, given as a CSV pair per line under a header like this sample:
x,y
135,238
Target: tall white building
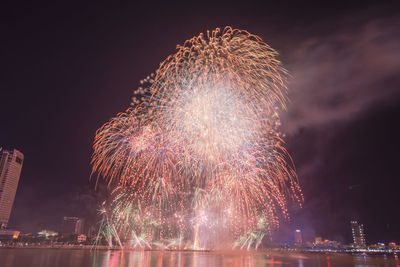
x,y
357,230
298,239
10,170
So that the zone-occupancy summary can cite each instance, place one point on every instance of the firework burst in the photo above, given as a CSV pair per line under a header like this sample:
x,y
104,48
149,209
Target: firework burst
x,y
198,159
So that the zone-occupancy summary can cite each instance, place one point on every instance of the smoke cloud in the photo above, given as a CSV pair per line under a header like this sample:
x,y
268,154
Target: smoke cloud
x,y
341,75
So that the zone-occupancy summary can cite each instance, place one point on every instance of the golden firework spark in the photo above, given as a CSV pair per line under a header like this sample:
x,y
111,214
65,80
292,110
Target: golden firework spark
x,y
200,153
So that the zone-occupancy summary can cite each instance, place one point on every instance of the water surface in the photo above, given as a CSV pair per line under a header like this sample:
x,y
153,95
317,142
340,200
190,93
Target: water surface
x,y
102,258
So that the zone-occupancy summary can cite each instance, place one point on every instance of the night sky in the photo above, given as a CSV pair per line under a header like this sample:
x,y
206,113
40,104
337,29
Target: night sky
x,y
68,68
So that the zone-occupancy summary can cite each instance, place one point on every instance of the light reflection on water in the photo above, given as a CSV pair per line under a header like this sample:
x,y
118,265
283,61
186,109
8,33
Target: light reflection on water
x,y
86,258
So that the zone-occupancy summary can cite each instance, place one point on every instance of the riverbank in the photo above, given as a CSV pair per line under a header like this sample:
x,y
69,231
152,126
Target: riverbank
x,y
297,250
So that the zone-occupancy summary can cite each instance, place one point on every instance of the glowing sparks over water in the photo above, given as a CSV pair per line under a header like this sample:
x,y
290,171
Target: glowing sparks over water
x,y
199,161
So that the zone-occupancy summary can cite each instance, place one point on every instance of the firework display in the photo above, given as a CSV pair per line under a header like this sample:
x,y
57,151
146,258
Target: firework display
x,y
197,161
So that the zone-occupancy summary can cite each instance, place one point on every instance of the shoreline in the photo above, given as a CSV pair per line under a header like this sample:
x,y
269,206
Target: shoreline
x,y
290,251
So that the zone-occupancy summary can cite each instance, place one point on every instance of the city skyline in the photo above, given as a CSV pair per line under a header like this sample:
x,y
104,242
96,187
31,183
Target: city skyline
x,y
69,76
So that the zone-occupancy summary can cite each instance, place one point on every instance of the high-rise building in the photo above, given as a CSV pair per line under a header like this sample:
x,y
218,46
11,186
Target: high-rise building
x,y
80,225
73,225
91,232
10,170
298,240
357,230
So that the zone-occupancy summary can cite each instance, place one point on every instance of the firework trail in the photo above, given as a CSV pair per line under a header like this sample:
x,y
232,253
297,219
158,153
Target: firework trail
x,y
198,157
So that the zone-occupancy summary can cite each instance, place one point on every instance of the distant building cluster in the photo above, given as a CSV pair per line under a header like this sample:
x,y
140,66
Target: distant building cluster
x,y
359,243
358,236
72,231
319,242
